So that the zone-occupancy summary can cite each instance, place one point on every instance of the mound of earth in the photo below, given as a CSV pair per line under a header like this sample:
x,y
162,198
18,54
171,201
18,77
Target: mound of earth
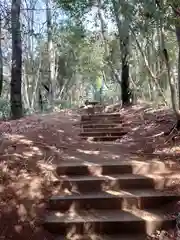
x,y
31,148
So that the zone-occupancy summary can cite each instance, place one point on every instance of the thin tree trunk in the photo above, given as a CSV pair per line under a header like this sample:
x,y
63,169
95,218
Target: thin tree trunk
x,y
178,40
37,84
50,53
25,90
125,74
1,59
16,70
124,46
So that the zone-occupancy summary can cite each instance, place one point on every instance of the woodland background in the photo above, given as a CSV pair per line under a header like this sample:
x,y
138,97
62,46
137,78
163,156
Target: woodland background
x,y
55,54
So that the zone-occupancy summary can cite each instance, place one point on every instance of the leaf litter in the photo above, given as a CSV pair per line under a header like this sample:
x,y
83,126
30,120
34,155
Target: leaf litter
x,y
31,148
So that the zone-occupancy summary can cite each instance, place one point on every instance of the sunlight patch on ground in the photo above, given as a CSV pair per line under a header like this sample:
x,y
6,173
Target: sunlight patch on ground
x,y
111,156
119,193
59,214
172,150
150,126
158,134
143,214
108,177
40,136
28,187
135,128
60,131
31,152
19,138
73,157
46,165
34,188
89,163
88,152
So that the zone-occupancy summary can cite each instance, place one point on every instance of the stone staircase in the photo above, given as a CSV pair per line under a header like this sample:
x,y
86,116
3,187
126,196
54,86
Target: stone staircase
x,y
110,199
103,127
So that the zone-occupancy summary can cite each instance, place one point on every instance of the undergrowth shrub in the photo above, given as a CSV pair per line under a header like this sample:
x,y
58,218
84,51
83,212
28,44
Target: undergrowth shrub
x,y
4,109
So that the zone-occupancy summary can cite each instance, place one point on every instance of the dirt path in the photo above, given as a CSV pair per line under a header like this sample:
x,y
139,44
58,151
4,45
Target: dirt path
x,y
32,147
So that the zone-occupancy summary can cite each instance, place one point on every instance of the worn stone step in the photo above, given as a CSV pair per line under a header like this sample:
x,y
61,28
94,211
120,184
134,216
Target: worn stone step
x,y
103,134
105,182
102,121
115,182
101,116
103,167
103,237
143,199
108,222
105,130
103,125
93,168
103,138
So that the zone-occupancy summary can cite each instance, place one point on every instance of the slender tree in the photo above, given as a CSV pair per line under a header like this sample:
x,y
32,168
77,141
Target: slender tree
x,y
1,58
16,69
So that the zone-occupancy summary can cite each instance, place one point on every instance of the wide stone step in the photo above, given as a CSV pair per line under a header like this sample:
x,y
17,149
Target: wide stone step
x,y
102,121
94,168
115,182
99,183
103,125
106,130
105,167
142,199
108,222
103,134
112,167
103,237
103,138
101,116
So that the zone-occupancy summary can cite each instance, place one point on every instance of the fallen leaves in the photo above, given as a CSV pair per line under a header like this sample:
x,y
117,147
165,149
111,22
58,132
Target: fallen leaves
x,y
31,147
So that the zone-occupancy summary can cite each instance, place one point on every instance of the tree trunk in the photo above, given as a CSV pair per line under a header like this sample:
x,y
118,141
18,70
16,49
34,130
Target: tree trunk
x,y
40,100
125,83
1,59
16,69
50,53
124,46
178,40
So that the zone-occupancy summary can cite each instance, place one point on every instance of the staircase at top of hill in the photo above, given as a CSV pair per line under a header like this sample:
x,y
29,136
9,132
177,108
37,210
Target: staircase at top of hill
x,y
103,126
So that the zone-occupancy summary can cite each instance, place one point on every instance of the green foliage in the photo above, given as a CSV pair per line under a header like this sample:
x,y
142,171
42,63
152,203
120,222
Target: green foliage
x,y
81,53
75,8
4,108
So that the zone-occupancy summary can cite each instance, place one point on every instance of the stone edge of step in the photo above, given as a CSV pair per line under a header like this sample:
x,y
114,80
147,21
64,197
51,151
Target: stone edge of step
x,y
151,215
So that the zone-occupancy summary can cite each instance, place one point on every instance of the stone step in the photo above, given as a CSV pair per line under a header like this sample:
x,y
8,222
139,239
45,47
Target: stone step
x,y
143,199
105,167
101,116
93,168
102,121
115,182
103,134
102,182
108,222
103,237
103,125
106,130
103,138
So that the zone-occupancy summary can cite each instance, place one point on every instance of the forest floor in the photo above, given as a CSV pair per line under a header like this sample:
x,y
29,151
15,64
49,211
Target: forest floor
x,y
31,148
